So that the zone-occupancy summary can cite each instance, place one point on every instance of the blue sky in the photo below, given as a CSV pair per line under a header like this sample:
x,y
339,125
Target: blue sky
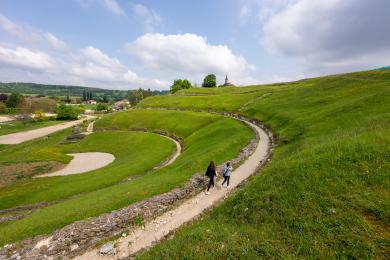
x,y
124,44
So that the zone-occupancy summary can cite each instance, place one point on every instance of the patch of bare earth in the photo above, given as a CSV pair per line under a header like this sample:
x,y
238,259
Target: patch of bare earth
x,y
18,171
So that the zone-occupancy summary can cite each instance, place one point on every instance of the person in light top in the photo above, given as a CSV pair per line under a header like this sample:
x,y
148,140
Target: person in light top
x,y
226,172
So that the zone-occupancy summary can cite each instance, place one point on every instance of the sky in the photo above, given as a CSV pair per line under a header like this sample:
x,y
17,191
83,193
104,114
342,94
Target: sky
x,y
128,44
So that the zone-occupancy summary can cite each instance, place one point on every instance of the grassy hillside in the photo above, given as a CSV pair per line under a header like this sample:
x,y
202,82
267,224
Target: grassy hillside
x,y
81,196
326,193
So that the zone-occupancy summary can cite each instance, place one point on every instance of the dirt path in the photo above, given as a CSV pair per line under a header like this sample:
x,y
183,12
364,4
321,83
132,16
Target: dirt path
x,y
173,158
157,229
20,137
81,163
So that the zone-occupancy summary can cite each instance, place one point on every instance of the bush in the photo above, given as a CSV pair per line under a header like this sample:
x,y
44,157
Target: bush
x,y
180,84
102,107
14,100
40,116
2,108
65,112
210,81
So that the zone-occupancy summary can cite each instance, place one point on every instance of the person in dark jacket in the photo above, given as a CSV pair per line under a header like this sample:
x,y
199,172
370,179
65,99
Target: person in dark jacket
x,y
211,172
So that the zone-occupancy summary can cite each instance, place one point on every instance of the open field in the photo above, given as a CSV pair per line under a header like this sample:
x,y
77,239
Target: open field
x,y
77,197
326,192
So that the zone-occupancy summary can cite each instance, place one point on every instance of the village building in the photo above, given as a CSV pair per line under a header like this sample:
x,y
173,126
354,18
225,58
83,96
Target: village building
x,y
122,104
91,102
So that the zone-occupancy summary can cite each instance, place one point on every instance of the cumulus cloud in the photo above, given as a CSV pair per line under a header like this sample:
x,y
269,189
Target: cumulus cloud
x,y
51,60
188,54
149,17
24,58
332,35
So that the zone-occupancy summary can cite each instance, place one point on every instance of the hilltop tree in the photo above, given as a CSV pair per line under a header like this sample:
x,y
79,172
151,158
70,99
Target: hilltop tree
x,y
210,81
180,84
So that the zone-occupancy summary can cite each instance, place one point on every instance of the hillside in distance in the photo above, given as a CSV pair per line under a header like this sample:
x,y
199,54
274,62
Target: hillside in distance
x,y
63,90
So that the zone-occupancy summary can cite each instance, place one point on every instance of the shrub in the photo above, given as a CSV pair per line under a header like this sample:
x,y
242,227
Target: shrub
x,y
210,81
102,107
180,84
3,97
65,112
2,108
40,116
14,100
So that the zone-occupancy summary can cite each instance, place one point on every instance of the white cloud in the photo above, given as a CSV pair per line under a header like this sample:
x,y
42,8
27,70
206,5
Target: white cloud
x,y
110,5
149,17
333,35
188,55
113,6
25,59
50,60
55,42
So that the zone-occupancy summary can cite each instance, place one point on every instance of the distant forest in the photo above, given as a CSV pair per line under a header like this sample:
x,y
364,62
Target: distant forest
x,y
77,91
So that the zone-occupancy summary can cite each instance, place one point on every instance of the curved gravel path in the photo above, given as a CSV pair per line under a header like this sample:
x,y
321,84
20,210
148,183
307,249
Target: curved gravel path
x,y
20,137
154,231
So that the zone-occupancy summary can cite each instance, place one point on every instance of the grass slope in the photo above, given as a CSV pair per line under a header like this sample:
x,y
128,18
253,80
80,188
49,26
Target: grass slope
x,y
205,136
326,192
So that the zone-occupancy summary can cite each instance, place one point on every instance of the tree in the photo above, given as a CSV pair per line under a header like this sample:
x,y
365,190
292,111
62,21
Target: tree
x,y
84,95
180,84
65,112
3,97
14,100
102,107
210,81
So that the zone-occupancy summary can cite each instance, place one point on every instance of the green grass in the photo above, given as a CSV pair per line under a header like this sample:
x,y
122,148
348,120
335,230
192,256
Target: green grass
x,y
18,126
224,102
205,136
326,193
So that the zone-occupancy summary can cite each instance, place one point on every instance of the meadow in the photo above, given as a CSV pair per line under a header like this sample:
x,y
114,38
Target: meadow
x,y
81,196
325,193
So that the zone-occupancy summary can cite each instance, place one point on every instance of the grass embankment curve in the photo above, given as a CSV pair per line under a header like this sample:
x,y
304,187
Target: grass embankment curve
x,y
326,192
204,136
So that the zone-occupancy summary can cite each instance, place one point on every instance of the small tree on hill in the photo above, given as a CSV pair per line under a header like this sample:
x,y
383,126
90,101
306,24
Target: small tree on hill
x,y
210,81
180,84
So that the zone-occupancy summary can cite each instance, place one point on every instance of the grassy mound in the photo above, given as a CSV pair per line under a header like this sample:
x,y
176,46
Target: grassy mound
x,y
205,137
326,192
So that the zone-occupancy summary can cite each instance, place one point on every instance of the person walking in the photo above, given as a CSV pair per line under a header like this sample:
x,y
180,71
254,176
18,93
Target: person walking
x,y
211,172
227,171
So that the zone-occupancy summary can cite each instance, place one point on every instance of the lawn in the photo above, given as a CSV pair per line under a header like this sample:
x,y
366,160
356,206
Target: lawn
x,y
18,126
326,193
205,137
